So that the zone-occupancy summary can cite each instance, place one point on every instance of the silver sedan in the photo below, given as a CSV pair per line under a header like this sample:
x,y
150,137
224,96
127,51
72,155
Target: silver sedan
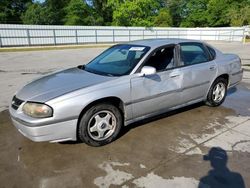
x,y
126,83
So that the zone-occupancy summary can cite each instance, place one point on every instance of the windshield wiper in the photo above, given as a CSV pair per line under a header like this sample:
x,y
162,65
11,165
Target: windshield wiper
x,y
98,72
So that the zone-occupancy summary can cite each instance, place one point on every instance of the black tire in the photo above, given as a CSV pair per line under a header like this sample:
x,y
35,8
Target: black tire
x,y
89,118
211,96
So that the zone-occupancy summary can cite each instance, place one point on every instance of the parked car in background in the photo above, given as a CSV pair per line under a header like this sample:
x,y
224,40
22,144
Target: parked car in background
x,y
126,83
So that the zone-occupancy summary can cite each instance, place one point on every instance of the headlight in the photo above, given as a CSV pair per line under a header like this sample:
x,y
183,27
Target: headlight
x,y
37,110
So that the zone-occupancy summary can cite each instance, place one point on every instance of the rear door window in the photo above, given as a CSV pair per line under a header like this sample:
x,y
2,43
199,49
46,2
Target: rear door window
x,y
193,53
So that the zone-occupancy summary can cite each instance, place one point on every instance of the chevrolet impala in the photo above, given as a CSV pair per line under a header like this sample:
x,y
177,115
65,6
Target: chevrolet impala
x,y
126,83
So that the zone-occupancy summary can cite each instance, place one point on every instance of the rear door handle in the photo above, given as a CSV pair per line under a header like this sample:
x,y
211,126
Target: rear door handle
x,y
212,68
173,75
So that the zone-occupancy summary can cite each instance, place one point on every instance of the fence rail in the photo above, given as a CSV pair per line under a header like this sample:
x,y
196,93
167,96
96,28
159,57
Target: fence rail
x,y
38,35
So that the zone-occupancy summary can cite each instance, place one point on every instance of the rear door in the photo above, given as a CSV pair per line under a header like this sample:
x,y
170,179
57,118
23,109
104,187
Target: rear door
x,y
198,69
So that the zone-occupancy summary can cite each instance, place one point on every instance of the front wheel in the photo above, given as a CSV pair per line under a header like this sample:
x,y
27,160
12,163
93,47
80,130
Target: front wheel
x,y
100,125
217,92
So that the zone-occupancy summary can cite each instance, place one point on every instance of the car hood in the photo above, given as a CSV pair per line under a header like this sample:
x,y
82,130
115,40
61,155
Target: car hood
x,y
59,83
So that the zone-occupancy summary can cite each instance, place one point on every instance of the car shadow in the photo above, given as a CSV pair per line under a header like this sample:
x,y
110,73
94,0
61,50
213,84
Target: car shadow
x,y
154,77
126,129
71,142
131,126
220,175
231,90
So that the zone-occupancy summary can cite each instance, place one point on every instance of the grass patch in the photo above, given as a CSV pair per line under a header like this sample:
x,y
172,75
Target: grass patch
x,y
247,40
41,48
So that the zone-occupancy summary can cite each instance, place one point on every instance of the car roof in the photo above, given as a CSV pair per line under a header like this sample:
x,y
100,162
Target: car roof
x,y
154,43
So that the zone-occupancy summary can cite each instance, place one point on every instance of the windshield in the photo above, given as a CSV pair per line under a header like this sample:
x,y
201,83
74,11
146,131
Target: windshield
x,y
118,60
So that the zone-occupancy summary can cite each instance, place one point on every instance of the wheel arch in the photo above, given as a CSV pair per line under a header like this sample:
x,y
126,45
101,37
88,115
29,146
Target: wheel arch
x,y
225,76
117,102
209,101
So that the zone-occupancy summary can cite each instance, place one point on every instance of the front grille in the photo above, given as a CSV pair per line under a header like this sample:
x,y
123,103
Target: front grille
x,y
16,102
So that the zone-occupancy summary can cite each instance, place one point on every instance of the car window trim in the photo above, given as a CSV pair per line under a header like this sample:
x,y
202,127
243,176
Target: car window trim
x,y
211,56
156,49
204,48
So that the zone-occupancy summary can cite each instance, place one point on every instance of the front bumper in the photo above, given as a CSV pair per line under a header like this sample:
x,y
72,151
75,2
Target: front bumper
x,y
53,132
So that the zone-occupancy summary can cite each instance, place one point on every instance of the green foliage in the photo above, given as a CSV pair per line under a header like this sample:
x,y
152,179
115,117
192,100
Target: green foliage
x,y
103,11
136,13
55,11
239,14
164,18
11,10
177,10
146,13
48,13
216,13
196,14
35,14
77,13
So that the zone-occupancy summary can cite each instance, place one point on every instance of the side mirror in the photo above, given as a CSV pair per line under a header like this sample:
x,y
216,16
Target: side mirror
x,y
81,67
148,70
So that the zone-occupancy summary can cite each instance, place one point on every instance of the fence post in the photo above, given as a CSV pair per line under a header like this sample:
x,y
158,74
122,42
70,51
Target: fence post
x,y
113,32
28,36
143,34
231,36
156,34
96,36
76,36
244,36
233,33
54,36
1,44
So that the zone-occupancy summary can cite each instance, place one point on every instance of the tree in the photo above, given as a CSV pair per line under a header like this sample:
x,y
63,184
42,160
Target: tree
x,y
77,13
185,13
216,13
48,13
55,11
35,14
103,9
195,14
177,10
163,19
239,15
136,13
11,10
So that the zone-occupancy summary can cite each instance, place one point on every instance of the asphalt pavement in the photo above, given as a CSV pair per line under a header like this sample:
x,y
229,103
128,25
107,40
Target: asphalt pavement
x,y
189,147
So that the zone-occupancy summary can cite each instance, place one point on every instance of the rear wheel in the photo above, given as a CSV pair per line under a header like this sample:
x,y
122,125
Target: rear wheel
x,y
217,92
100,125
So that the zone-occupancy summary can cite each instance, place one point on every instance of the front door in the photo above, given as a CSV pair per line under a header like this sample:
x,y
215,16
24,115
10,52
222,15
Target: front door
x,y
160,91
